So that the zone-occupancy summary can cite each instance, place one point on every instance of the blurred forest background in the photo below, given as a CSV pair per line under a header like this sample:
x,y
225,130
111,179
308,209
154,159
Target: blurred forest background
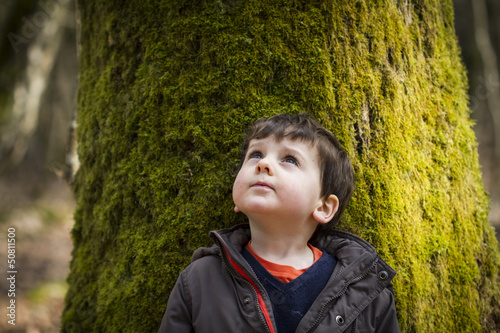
x,y
38,85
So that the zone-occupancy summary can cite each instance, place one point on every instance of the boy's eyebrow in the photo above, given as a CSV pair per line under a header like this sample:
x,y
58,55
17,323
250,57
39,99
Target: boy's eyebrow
x,y
299,153
256,143
294,151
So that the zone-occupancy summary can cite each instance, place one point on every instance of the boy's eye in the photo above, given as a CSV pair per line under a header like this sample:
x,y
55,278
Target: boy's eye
x,y
291,159
255,154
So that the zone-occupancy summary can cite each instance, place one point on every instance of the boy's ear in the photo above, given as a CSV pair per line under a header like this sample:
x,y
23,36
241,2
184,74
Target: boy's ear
x,y
326,209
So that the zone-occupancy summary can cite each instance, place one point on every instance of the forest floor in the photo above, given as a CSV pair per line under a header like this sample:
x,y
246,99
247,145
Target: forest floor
x,y
42,253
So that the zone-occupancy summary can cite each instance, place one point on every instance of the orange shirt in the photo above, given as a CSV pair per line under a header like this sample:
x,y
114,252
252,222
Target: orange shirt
x,y
283,273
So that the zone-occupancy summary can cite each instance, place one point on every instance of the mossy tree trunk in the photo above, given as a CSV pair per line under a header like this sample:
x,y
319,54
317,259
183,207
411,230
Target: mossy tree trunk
x,y
167,88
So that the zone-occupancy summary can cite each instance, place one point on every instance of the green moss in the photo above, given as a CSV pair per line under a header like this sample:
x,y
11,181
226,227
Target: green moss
x,y
167,88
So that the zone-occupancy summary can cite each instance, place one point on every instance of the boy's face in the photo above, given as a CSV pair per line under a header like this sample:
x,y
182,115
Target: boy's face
x,y
278,179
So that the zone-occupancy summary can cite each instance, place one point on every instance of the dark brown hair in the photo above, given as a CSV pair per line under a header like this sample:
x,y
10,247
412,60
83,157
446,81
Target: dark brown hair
x,y
337,175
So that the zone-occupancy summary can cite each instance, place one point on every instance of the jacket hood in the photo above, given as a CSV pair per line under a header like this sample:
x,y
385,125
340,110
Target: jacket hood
x,y
236,237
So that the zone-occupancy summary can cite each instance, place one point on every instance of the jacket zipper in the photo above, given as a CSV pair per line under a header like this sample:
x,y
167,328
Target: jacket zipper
x,y
353,327
339,294
241,278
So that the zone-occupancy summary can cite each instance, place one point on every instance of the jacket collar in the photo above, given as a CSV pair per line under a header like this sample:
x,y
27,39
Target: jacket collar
x,y
352,252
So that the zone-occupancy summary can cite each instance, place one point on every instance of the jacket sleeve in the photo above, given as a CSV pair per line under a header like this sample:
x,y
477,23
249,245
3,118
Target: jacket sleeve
x,y
388,321
177,317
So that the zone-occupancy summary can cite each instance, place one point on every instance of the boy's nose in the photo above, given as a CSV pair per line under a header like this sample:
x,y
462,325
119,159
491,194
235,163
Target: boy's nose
x,y
264,166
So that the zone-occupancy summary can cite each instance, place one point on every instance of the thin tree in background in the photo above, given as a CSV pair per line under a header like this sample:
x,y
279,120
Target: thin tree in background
x,y
478,31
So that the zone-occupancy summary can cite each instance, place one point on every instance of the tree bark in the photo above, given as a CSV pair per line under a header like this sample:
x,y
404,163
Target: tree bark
x,y
168,87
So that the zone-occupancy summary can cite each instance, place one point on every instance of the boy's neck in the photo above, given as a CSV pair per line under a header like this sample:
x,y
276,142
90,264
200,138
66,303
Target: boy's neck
x,y
282,247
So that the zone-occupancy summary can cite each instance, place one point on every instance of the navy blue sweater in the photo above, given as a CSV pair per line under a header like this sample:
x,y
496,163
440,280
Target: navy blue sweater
x,y
290,301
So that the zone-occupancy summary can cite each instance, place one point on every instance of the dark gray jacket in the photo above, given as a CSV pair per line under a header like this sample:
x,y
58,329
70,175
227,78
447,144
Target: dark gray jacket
x,y
219,292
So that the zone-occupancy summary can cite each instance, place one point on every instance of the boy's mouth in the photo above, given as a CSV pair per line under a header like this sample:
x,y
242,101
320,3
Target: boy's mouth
x,y
262,185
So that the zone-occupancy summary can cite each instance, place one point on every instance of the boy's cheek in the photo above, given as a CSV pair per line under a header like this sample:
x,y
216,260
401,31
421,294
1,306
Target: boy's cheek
x,y
236,191
238,182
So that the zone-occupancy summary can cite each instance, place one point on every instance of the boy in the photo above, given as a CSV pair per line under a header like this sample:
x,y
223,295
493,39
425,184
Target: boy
x,y
287,270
